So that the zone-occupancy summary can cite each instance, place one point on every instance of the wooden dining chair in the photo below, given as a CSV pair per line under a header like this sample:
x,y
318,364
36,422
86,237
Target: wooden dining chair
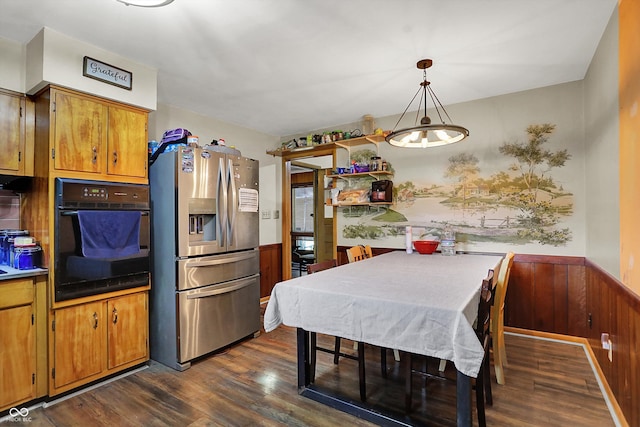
x,y
358,253
482,329
497,318
314,348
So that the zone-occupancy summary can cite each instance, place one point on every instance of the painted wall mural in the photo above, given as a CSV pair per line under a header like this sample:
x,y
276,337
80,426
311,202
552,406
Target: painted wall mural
x,y
518,205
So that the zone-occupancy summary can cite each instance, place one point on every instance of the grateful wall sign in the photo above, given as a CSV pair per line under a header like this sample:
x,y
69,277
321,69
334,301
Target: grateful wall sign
x,y
106,73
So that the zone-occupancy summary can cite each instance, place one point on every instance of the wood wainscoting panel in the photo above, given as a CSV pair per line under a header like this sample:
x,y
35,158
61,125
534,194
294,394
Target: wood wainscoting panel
x,y
547,294
520,300
270,268
577,319
615,310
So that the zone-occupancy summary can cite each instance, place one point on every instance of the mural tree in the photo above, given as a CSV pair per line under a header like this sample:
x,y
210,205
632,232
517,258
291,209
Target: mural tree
x,y
534,162
463,168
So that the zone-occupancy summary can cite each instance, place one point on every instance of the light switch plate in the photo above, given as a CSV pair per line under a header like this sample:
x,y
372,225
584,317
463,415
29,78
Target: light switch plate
x,y
266,214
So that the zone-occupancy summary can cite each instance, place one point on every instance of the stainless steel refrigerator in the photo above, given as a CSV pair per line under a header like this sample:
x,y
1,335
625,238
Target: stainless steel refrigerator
x,y
205,265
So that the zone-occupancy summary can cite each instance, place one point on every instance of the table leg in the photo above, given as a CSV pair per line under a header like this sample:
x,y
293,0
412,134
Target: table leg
x,y
304,365
463,400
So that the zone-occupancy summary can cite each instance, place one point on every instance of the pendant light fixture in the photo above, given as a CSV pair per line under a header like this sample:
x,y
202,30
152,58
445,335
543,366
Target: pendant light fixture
x,y
426,134
146,3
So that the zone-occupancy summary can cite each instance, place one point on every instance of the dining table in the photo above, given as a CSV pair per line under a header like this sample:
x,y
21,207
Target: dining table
x,y
421,304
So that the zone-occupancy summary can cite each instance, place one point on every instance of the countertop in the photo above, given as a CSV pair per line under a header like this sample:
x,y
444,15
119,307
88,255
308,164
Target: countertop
x,y
14,273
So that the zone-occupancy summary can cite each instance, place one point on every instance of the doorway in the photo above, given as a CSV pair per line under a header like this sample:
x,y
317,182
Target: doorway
x,y
308,226
302,220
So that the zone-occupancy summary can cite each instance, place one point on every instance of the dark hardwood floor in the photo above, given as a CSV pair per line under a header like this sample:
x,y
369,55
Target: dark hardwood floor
x,y
254,384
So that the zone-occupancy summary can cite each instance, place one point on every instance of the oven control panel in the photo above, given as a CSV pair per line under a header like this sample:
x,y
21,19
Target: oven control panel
x,y
95,192
75,193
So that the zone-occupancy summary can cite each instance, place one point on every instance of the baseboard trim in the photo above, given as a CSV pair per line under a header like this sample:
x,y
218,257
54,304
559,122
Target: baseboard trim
x,y
607,393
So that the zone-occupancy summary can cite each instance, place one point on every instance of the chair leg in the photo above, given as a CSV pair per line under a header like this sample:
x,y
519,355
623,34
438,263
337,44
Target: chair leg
x,y
486,372
383,362
363,386
503,351
312,356
498,360
482,422
408,384
336,351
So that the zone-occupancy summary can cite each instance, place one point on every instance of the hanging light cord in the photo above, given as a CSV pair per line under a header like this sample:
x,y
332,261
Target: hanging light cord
x,y
425,87
434,98
405,110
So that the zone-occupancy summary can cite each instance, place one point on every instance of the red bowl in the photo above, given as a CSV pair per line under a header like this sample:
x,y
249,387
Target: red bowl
x,y
425,246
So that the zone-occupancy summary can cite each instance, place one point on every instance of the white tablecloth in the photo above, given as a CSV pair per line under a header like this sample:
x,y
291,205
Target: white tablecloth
x,y
423,304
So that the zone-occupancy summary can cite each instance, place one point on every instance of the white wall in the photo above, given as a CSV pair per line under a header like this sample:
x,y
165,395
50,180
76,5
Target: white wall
x,y
54,58
602,152
12,65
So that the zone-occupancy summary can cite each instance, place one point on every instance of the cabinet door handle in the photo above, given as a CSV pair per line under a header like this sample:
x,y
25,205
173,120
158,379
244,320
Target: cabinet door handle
x,y
95,320
115,157
114,316
94,159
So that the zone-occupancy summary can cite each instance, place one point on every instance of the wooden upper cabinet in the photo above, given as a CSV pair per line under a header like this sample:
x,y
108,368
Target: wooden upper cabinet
x,y
79,133
16,134
99,137
127,142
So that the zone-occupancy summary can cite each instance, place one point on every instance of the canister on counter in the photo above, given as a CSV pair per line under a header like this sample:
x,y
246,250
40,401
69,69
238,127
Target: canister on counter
x,y
8,243
27,257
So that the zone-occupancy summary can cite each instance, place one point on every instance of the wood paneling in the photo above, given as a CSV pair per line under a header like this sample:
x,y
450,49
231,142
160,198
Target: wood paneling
x,y
571,296
547,294
615,310
270,268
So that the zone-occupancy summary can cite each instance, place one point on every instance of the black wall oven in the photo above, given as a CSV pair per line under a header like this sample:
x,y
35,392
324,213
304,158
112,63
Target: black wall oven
x,y
101,238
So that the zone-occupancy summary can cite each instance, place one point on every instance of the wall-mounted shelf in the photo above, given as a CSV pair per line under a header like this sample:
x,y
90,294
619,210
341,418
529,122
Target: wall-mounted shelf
x,y
344,205
345,143
376,175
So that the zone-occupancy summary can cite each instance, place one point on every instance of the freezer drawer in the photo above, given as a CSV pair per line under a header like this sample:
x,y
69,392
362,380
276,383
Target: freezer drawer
x,y
208,270
218,315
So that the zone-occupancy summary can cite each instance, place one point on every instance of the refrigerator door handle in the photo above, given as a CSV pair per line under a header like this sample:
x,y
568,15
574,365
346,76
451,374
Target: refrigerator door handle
x,y
233,286
233,206
221,201
225,260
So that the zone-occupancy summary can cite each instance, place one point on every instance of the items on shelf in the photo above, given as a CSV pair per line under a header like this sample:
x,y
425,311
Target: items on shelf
x,y
356,195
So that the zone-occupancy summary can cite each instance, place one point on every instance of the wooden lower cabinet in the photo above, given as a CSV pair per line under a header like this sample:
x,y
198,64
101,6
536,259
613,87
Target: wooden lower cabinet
x,y
95,339
79,343
128,327
17,356
17,342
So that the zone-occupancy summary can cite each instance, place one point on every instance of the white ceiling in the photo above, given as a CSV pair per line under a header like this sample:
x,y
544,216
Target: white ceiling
x,y
286,67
